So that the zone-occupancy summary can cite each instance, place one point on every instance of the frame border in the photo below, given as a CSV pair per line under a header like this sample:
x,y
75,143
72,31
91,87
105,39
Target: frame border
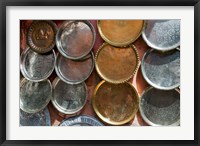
x,y
5,3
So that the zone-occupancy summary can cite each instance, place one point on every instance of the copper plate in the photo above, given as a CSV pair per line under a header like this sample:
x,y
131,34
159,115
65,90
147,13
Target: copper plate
x,y
75,39
41,35
116,65
120,32
115,104
160,107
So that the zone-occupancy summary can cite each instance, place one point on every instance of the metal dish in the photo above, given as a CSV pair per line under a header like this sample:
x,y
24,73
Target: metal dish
x,y
75,39
115,104
160,107
74,71
163,35
37,67
41,118
116,65
34,96
120,32
161,69
81,121
69,98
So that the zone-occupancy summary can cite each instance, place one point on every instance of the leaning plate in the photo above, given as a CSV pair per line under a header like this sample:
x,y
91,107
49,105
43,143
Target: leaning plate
x,y
115,104
69,98
162,35
37,67
161,69
34,96
81,121
41,118
160,107
75,39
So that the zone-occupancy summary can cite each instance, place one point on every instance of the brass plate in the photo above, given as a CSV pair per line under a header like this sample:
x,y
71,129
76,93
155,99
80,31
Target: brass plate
x,y
115,104
116,65
120,32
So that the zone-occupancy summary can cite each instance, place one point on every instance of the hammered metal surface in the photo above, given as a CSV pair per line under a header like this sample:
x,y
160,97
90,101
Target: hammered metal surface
x,y
116,65
162,70
34,96
80,121
74,71
75,39
120,32
68,98
115,104
162,34
37,67
160,107
41,118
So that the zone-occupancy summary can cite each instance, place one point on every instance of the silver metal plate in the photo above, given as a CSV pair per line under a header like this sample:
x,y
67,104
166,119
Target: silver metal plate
x,y
37,67
74,72
160,107
81,121
161,70
75,39
41,118
69,98
34,96
162,35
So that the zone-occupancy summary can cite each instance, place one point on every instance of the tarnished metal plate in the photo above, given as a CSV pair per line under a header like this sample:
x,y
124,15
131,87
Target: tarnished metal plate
x,y
75,39
69,98
74,71
41,118
120,32
116,65
162,35
115,104
41,35
34,96
37,67
161,69
160,107
81,121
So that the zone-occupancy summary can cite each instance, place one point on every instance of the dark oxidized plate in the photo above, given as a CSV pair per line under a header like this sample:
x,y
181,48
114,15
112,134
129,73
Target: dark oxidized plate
x,y
160,107
81,121
41,35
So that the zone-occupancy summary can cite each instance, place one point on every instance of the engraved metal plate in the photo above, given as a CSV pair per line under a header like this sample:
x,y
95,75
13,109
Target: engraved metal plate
x,y
34,96
162,35
161,70
37,67
74,71
41,118
69,98
81,121
75,39
160,107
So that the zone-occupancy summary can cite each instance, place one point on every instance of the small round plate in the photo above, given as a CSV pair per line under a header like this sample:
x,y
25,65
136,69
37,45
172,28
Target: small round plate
x,y
163,35
81,121
75,39
34,96
69,98
161,69
41,35
41,118
116,65
37,67
160,107
74,71
120,32
115,104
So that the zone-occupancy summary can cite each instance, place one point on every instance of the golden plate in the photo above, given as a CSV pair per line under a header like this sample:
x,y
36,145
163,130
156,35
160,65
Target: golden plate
x,y
120,32
115,104
116,65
